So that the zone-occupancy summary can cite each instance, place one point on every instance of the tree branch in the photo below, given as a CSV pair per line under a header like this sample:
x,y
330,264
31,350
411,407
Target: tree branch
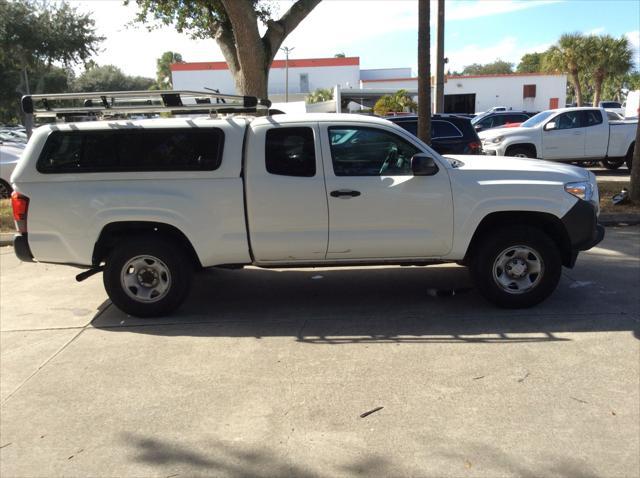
x,y
278,30
222,32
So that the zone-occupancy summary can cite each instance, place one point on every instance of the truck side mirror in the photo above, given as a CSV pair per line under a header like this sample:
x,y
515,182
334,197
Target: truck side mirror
x,y
423,165
550,126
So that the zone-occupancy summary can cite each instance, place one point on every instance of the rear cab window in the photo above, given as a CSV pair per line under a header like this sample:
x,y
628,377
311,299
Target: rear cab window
x,y
290,151
129,150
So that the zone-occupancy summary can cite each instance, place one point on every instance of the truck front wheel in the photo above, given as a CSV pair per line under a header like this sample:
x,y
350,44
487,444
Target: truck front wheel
x,y
148,276
520,152
516,267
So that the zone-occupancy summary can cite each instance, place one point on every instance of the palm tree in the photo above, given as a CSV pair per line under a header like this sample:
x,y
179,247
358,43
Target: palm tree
x,y
569,56
609,57
320,95
400,101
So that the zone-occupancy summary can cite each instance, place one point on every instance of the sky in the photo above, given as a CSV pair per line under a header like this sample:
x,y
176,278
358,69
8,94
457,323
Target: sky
x,y
383,33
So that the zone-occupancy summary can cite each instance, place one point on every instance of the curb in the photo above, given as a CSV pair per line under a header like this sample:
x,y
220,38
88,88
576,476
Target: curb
x,y
6,238
616,219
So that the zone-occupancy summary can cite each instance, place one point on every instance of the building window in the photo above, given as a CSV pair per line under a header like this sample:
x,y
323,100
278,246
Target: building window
x,y
304,83
529,91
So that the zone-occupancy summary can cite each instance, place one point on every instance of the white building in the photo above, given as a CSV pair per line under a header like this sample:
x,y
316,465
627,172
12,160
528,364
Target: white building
x,y
463,94
476,93
305,76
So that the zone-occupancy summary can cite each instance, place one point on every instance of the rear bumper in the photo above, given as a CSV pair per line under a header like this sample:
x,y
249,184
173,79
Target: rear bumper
x,y
21,248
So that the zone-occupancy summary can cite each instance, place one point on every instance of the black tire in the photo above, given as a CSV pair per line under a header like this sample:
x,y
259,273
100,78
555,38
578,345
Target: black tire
x,y
521,152
493,246
5,189
612,163
629,158
168,268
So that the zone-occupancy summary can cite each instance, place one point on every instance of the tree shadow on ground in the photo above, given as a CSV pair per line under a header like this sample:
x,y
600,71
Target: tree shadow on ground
x,y
213,457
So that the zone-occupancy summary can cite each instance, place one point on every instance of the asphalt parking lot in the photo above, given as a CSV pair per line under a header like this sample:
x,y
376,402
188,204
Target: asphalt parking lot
x,y
266,373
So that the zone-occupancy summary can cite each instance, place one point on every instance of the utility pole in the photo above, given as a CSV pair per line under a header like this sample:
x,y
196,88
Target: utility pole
x,y
286,51
424,72
440,60
28,117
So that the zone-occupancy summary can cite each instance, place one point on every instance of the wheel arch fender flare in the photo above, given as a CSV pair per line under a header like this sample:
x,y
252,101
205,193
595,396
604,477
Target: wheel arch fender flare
x,y
116,231
546,222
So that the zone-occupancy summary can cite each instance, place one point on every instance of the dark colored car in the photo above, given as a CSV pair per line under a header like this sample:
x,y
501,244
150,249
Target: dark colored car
x,y
450,134
498,119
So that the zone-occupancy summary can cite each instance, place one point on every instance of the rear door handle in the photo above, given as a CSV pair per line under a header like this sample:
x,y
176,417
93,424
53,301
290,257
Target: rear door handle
x,y
344,193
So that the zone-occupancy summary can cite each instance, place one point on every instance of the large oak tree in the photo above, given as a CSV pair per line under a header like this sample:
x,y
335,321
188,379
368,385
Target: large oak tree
x,y
234,24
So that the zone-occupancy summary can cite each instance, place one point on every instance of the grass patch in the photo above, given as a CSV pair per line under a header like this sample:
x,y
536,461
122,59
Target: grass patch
x,y
6,216
609,189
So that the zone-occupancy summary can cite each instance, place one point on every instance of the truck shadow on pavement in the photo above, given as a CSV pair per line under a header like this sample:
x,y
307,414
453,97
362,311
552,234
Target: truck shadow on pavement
x,y
342,306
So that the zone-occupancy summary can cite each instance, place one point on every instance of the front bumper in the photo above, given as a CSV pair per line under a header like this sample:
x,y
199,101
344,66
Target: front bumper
x,y
21,248
581,224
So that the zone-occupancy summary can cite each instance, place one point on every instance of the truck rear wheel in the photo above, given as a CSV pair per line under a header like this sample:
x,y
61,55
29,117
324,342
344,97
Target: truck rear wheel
x,y
148,276
516,267
612,163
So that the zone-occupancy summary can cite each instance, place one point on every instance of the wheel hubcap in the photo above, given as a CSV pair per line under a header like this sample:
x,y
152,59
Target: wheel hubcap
x,y
518,269
145,278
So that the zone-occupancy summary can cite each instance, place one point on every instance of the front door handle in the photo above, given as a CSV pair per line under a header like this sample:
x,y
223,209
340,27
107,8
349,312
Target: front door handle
x,y
344,193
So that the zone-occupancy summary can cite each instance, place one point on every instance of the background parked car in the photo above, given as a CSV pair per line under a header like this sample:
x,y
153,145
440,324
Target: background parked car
x,y
9,156
613,106
497,119
450,134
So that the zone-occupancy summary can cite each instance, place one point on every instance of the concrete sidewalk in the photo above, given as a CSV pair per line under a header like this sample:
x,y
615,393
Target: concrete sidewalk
x,y
266,373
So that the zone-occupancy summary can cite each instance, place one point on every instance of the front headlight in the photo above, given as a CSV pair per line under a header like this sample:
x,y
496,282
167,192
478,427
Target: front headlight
x,y
585,190
582,190
497,139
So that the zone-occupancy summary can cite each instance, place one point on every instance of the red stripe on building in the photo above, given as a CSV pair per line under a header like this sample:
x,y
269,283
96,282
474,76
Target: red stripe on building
x,y
453,77
301,63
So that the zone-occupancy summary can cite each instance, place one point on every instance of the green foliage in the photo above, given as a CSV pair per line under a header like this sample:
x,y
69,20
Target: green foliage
x,y
530,63
399,102
110,78
33,37
320,95
593,63
163,69
495,68
339,55
198,18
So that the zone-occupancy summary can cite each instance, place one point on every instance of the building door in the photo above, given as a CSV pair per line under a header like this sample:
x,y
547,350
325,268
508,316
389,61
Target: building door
x,y
553,103
304,83
460,103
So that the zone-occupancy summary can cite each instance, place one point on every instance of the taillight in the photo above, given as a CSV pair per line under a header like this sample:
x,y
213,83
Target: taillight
x,y
20,206
475,147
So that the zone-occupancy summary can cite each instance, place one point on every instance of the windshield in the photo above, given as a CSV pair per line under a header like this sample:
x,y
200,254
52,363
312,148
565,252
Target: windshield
x,y
537,119
475,119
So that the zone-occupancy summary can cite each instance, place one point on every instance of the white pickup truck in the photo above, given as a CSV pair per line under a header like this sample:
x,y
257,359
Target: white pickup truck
x,y
568,135
148,202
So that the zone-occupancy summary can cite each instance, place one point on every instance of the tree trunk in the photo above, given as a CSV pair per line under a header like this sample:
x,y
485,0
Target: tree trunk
x,y
252,82
576,86
634,188
424,72
597,89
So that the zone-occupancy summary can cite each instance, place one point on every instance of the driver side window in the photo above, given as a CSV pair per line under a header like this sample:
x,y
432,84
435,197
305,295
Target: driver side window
x,y
363,151
568,120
